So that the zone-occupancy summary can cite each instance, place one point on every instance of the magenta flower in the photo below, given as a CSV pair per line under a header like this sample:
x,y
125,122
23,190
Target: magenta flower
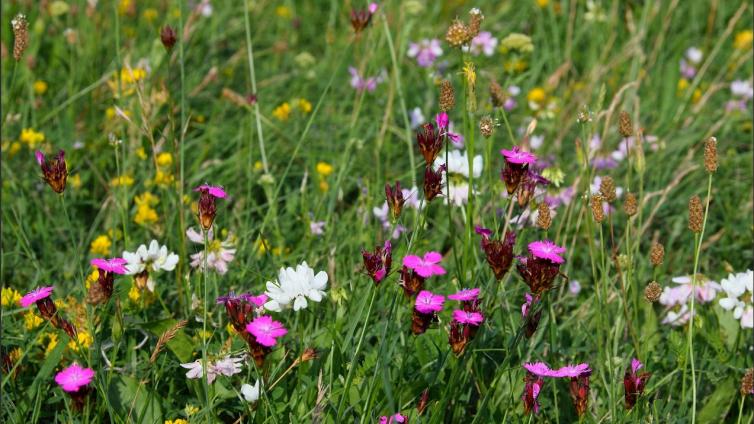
x,y
518,156
547,250
114,265
265,330
443,123
526,307
215,191
74,377
35,295
469,318
531,392
427,266
541,369
248,297
465,295
428,302
395,418
634,382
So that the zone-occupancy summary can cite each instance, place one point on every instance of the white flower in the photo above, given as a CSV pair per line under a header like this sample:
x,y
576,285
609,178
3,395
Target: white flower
x,y
227,366
741,88
219,254
459,194
295,285
196,371
155,258
739,289
458,163
694,55
249,392
417,117
677,318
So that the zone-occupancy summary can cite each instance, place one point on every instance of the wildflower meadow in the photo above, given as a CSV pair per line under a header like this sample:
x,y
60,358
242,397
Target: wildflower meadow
x,y
405,211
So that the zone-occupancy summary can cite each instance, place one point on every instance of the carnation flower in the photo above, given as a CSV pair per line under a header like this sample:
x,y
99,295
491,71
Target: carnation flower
x,y
428,302
518,156
634,382
470,318
295,286
74,377
465,295
35,295
426,266
738,289
266,330
219,253
226,366
360,83
393,419
547,250
541,369
113,265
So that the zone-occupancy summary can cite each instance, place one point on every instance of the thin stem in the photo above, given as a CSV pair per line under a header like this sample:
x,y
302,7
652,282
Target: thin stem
x,y
204,323
252,76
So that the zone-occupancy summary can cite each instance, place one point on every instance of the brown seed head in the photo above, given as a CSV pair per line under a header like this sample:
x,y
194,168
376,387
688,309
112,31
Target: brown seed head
x,y
696,214
475,23
625,127
652,292
486,126
710,155
607,189
423,402
656,254
457,34
497,94
747,382
20,35
630,205
597,212
308,355
167,36
544,220
447,96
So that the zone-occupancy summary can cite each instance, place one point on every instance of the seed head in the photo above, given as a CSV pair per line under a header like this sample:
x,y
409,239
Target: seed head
x,y
656,254
544,220
487,126
20,35
625,127
457,34
497,94
710,155
607,189
652,292
747,382
696,214
475,22
597,212
447,96
309,354
629,204
167,36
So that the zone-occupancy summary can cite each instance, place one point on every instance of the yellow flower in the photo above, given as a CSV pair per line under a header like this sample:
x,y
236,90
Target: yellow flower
x,y
469,73
124,180
134,294
141,153
324,186
32,321
283,12
163,178
258,165
542,3
145,214
31,137
101,245
743,40
10,297
40,87
150,14
324,169
696,96
15,355
229,328
683,84
304,105
91,278
11,148
282,112
83,339
537,96
146,198
52,342
75,181
130,76
164,159
125,6
190,410
176,421
555,175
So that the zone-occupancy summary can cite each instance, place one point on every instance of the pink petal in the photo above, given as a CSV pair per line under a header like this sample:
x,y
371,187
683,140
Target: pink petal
x,y
412,261
432,257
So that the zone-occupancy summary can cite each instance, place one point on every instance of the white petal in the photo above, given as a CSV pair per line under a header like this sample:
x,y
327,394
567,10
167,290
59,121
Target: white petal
x,y
299,303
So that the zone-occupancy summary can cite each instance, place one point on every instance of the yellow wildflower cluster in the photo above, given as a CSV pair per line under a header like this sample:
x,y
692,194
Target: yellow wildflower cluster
x,y
129,78
10,297
40,87
190,410
176,421
743,40
10,148
324,170
101,245
163,176
283,112
83,340
124,180
149,14
91,278
31,138
263,245
32,320
683,85
283,12
145,213
52,341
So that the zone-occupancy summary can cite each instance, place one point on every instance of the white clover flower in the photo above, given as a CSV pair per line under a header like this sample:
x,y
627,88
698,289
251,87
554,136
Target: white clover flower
x,y
249,392
295,286
739,288
153,259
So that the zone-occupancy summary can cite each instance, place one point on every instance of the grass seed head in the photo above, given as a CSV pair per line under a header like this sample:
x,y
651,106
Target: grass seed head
x,y
710,155
696,214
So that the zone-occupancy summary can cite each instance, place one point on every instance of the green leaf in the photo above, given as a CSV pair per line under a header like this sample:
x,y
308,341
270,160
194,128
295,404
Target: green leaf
x,y
181,345
718,403
131,399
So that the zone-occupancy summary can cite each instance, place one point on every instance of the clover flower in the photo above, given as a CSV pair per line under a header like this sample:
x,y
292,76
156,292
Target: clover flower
x,y
634,382
425,51
266,330
155,258
482,43
295,286
219,253
360,83
738,290
426,266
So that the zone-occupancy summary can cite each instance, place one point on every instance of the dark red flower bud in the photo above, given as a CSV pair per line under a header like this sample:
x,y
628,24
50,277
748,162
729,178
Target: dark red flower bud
x,y
395,200
411,282
207,209
528,185
499,253
634,382
538,273
430,142
420,322
512,174
532,388
579,389
167,36
433,182
423,402
101,290
379,262
360,18
54,172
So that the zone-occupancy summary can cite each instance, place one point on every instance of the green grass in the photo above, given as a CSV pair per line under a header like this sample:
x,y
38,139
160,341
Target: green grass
x,y
369,364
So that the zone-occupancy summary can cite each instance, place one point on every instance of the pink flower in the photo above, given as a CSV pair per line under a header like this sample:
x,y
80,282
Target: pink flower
x,y
215,191
74,377
427,266
427,302
547,250
465,295
34,295
570,371
425,51
538,368
360,83
526,307
446,128
219,254
114,265
470,318
483,43
395,418
373,7
518,156
266,330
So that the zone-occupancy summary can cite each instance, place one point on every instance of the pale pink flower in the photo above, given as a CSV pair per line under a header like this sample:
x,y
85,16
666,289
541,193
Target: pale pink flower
x,y
426,266
317,228
425,51
526,306
428,302
482,43
74,377
114,265
34,295
360,83
546,249
469,318
219,254
265,330
465,295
